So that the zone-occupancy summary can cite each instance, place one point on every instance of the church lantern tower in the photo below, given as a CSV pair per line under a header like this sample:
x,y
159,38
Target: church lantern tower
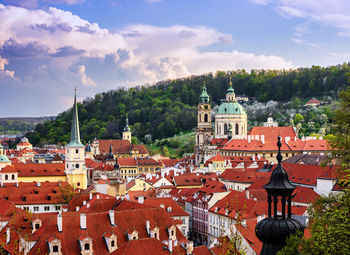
x,y
75,169
276,228
127,131
204,125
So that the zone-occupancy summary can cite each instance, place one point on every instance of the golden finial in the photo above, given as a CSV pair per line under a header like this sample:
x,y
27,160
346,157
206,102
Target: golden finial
x,y
230,81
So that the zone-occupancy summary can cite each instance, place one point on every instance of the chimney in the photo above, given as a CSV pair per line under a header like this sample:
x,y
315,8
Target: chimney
x,y
249,138
111,217
8,235
88,205
84,202
77,208
90,196
38,184
263,139
161,205
287,139
170,245
98,196
59,222
189,247
247,194
83,221
148,225
140,199
59,183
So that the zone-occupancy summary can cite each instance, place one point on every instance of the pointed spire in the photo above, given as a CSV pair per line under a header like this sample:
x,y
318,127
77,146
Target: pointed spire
x,y
230,89
126,128
75,134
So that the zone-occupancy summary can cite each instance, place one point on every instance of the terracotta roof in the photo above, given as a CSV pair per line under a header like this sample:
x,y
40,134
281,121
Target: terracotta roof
x,y
90,163
309,145
171,207
140,148
169,162
31,169
31,193
118,146
201,250
271,133
127,162
193,179
97,223
149,246
148,162
244,175
217,157
125,205
313,101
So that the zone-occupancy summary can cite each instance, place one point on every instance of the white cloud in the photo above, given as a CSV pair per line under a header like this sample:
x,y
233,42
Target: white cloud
x,y
53,47
84,78
334,13
3,62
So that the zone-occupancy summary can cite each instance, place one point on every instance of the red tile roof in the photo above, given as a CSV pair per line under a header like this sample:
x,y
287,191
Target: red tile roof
x,y
30,193
271,133
171,207
118,146
313,101
127,162
31,169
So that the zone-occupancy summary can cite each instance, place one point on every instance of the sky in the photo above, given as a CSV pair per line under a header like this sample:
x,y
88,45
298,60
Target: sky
x,y
47,48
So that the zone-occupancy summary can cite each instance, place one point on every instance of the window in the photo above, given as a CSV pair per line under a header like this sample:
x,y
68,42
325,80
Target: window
x,y
36,208
87,246
55,248
6,177
76,151
57,207
13,177
155,235
47,208
205,117
76,165
225,129
236,129
78,184
26,208
37,226
112,243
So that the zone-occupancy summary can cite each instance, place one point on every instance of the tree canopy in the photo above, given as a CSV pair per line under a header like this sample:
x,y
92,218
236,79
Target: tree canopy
x,y
169,107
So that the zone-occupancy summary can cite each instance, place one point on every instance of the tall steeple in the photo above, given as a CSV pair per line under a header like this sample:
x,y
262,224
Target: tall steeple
x,y
204,97
74,154
126,128
75,134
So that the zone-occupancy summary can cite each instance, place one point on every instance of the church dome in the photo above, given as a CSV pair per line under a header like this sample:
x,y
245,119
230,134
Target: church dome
x,y
230,108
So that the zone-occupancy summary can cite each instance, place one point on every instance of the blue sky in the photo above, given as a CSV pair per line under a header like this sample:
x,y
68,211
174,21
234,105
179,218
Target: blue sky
x,y
49,47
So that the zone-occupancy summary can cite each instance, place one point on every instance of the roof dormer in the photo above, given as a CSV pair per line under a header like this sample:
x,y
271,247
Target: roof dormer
x,y
36,224
133,234
111,241
172,232
55,247
154,232
85,245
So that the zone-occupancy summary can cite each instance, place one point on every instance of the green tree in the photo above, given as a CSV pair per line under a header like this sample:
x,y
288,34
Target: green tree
x,y
298,118
329,216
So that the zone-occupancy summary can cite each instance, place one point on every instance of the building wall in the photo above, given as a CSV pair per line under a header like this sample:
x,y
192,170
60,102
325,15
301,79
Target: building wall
x,y
233,119
41,208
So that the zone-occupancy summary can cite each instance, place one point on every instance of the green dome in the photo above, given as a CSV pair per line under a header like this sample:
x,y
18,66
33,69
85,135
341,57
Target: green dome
x,y
230,108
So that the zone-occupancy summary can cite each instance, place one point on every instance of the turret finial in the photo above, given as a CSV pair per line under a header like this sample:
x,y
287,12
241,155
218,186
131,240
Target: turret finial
x,y
279,155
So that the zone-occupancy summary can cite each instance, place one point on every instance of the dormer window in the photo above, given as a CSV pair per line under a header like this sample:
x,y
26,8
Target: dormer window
x,y
134,235
36,224
111,242
172,232
169,209
86,245
154,233
54,246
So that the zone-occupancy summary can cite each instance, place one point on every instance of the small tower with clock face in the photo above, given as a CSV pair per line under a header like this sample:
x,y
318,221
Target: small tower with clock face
x,y
204,125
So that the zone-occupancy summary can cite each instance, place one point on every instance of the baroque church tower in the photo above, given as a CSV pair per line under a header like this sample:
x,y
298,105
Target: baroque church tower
x,y
76,172
204,126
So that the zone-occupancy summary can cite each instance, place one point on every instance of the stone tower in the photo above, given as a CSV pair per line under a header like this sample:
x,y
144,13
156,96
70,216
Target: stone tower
x,y
75,169
204,126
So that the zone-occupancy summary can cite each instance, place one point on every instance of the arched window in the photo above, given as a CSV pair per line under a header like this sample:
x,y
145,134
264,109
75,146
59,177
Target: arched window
x,y
205,117
236,129
55,248
225,129
87,246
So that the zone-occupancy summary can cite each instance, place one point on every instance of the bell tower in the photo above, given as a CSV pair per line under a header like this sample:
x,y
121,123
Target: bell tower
x,y
75,159
204,126
127,131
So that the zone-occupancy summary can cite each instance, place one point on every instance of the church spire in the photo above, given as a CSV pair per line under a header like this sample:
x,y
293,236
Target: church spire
x,y
75,134
204,98
126,128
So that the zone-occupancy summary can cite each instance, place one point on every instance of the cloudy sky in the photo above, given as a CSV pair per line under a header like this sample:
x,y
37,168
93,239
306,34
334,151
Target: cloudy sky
x,y
49,47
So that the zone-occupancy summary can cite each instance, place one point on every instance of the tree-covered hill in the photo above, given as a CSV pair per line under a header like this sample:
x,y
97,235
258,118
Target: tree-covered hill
x,y
169,107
